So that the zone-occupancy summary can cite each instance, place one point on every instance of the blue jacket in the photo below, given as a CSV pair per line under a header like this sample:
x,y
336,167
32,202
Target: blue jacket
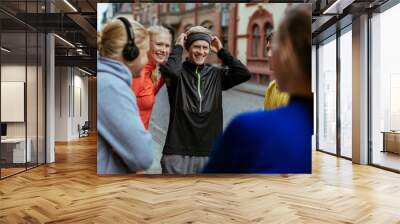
x,y
275,141
123,144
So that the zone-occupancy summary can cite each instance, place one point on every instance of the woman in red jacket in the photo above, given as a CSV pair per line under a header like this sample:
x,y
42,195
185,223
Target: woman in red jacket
x,y
147,84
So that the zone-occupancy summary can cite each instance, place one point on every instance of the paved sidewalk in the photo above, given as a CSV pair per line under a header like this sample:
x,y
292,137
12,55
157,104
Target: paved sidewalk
x,y
158,143
245,97
156,167
251,88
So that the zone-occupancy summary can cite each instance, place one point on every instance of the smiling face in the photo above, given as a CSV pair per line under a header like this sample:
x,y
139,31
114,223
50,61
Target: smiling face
x,y
198,52
160,46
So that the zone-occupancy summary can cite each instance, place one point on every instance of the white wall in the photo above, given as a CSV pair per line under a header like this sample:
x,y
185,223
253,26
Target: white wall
x,y
82,82
16,73
62,80
33,127
80,94
13,73
13,100
71,93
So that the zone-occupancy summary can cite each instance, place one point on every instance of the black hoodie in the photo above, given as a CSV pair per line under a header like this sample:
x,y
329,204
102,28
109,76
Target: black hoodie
x,y
195,98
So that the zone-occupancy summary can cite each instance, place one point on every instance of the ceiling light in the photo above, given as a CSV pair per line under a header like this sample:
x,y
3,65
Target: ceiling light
x,y
64,40
338,6
5,50
86,72
80,51
331,7
70,5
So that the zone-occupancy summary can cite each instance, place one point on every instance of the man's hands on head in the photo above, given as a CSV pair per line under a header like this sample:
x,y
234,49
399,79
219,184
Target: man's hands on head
x,y
216,44
181,40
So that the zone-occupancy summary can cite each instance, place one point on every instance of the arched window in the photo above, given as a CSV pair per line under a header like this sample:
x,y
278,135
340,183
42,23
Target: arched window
x,y
255,44
268,31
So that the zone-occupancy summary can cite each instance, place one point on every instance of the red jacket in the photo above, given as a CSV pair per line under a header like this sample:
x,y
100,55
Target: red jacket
x,y
146,92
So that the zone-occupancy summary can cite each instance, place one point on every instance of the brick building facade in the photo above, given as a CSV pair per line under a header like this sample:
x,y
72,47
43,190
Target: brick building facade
x,y
242,28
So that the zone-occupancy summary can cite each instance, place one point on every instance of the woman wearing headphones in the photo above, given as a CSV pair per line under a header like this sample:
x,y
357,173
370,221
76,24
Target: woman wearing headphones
x,y
147,84
123,144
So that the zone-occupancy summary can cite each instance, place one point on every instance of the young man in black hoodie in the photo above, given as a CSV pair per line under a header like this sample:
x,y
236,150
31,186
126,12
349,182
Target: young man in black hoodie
x,y
195,98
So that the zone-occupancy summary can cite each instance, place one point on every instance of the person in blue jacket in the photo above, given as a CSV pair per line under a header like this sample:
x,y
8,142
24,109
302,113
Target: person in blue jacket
x,y
123,144
279,140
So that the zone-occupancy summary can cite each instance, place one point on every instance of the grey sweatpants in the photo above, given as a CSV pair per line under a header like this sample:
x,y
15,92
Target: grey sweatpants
x,y
179,164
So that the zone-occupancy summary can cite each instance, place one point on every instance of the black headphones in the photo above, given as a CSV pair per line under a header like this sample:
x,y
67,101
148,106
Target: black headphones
x,y
131,51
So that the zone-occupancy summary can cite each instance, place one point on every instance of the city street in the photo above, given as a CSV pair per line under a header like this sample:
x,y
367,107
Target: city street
x,y
251,24
234,102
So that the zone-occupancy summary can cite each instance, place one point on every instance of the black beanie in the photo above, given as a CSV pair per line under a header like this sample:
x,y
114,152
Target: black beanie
x,y
196,36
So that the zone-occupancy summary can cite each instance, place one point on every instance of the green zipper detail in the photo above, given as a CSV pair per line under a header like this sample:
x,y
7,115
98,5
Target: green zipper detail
x,y
198,84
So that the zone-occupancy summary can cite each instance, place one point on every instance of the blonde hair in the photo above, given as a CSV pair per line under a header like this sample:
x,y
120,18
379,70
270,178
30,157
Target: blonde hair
x,y
198,29
156,30
112,39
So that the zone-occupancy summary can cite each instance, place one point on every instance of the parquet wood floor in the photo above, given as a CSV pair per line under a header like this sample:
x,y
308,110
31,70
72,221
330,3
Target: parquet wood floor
x,y
9,171
70,191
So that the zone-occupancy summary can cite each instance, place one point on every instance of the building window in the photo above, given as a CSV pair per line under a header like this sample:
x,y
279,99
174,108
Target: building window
x,y
190,6
346,94
267,32
173,7
255,43
385,89
164,8
225,37
256,62
224,14
327,96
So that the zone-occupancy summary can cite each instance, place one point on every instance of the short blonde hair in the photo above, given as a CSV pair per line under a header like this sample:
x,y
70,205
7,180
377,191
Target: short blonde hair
x,y
113,38
198,29
156,29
